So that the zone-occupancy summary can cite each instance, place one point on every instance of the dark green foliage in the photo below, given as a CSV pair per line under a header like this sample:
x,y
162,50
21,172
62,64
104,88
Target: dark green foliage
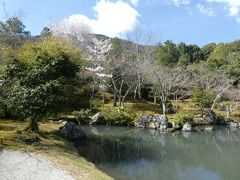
x,y
2,111
218,57
207,50
181,54
12,32
189,54
167,54
195,53
38,85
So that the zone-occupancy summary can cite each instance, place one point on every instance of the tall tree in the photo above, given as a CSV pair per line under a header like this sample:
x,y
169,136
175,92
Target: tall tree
x,y
121,67
40,79
12,32
166,54
166,81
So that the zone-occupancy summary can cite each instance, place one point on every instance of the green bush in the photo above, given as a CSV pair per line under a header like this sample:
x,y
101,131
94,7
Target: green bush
x,y
202,98
181,118
118,116
83,115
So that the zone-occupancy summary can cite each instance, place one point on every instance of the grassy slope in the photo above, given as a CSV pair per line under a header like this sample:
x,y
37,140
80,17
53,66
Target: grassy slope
x,y
59,151
147,107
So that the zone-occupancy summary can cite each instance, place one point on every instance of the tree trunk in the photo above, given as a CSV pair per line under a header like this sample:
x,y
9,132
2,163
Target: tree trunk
x,y
91,102
120,100
202,110
139,90
33,126
214,102
164,108
114,99
135,93
228,114
103,100
139,93
155,100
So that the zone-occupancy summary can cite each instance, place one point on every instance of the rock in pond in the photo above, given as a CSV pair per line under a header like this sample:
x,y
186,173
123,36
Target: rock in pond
x,y
211,117
233,124
72,132
155,122
187,127
161,119
162,122
144,121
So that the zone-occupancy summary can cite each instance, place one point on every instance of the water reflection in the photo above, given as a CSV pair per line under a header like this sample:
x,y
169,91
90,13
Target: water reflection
x,y
130,153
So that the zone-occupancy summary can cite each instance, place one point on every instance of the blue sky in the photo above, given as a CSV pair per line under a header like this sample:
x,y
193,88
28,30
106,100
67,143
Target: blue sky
x,y
190,21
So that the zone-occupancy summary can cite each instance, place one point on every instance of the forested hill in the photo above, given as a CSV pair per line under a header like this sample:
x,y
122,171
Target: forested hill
x,y
167,53
221,55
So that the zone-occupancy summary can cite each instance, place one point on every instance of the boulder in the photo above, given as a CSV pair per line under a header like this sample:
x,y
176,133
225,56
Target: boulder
x,y
144,121
176,126
163,127
211,117
187,127
153,125
161,121
96,120
155,122
72,132
233,124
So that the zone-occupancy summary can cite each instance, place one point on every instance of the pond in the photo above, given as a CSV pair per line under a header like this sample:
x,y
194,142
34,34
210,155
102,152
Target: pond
x,y
131,153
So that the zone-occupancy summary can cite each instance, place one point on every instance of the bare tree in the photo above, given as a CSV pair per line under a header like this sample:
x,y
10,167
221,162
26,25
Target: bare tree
x,y
122,68
215,80
166,80
233,96
142,48
123,79
96,82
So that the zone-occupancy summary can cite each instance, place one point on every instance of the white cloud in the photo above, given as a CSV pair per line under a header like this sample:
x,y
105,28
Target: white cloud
x,y
179,3
233,7
205,10
134,2
112,19
233,11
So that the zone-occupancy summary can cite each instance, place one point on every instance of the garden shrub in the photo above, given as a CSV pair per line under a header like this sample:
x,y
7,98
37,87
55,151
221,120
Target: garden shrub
x,y
83,116
118,116
181,118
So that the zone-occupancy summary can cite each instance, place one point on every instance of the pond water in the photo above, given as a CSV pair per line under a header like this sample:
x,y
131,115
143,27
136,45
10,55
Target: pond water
x,y
131,153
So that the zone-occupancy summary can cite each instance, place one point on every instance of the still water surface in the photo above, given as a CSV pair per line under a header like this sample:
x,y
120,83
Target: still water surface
x,y
130,153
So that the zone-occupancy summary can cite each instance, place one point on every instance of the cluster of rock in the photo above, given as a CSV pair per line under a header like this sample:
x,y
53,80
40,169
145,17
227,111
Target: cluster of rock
x,y
155,122
161,122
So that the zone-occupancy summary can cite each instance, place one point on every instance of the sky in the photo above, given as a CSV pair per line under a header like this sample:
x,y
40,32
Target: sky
x,y
190,21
